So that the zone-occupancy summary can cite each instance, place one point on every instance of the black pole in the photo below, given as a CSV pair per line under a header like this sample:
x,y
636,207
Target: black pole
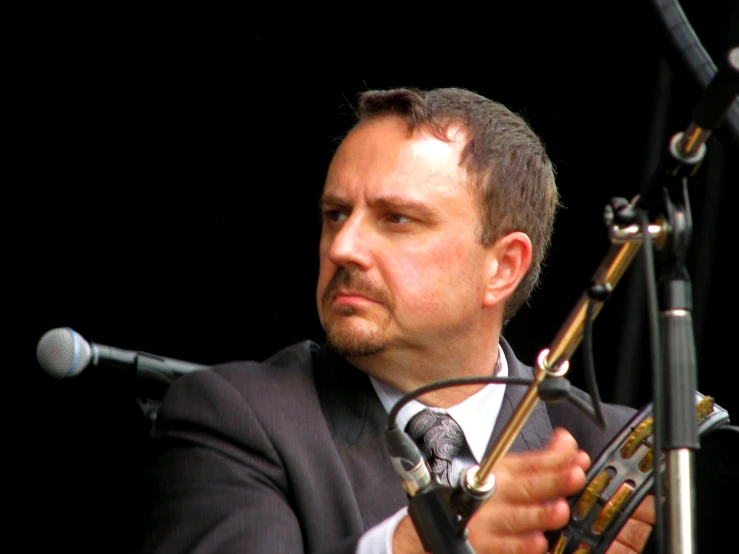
x,y
665,198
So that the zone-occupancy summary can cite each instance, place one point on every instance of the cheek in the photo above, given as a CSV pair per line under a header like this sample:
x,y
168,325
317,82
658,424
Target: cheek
x,y
325,268
434,278
324,247
324,273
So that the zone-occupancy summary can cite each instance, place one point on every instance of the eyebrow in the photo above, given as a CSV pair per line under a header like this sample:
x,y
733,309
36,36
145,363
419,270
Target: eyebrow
x,y
332,200
391,203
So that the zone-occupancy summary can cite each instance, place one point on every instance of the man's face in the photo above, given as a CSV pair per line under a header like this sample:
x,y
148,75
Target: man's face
x,y
401,266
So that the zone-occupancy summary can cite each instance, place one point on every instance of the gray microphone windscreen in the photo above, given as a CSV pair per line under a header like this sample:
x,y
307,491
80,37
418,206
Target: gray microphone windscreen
x,y
62,352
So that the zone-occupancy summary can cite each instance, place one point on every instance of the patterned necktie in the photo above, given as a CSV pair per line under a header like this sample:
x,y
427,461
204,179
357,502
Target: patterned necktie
x,y
440,439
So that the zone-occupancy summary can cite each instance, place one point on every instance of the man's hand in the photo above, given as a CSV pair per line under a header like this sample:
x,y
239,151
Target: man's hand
x,y
530,498
635,532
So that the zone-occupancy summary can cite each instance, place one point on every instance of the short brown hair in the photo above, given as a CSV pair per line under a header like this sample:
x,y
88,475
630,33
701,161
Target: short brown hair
x,y
512,171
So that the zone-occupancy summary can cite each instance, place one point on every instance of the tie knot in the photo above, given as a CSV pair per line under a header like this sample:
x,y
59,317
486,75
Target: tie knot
x,y
439,437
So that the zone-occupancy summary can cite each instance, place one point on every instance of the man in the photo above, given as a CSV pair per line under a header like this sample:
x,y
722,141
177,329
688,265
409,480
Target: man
x,y
437,212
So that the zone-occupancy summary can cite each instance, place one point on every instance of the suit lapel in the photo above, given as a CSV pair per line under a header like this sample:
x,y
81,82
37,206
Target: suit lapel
x,y
357,421
537,429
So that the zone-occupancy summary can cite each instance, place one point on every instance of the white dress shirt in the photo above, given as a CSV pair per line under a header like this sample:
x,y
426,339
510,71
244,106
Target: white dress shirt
x,y
476,416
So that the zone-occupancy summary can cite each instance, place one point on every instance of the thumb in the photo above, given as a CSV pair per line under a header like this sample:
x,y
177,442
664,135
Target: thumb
x,y
562,441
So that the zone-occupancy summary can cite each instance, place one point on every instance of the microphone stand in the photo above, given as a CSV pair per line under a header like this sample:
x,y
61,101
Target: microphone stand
x,y
665,198
440,513
676,428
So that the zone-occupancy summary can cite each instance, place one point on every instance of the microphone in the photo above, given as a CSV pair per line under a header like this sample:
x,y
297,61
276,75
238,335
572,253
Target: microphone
x,y
432,507
687,149
714,104
407,461
63,353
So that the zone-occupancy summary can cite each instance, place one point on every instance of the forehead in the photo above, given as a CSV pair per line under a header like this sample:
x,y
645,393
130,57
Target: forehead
x,y
383,155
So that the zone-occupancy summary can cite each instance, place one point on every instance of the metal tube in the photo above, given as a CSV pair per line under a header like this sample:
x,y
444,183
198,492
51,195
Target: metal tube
x,y
680,486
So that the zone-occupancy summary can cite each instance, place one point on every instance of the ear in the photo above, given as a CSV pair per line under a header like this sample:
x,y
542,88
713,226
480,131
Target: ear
x,y
510,258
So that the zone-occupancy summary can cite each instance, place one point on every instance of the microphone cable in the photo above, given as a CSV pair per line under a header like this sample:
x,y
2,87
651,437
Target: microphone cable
x,y
690,49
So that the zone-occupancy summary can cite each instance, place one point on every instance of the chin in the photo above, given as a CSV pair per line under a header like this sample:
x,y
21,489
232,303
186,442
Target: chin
x,y
348,340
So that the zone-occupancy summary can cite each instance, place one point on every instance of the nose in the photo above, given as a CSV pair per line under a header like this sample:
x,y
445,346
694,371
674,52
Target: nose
x,y
350,245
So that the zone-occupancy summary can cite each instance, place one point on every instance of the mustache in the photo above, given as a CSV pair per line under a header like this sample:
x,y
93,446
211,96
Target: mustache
x,y
353,280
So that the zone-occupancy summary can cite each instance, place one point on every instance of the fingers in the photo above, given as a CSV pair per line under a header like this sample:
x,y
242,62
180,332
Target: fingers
x,y
532,543
511,519
554,472
561,450
635,533
583,460
562,441
541,486
646,511
500,528
530,497
632,537
541,460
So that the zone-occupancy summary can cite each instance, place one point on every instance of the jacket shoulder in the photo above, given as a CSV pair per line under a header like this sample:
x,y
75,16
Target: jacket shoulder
x,y
587,434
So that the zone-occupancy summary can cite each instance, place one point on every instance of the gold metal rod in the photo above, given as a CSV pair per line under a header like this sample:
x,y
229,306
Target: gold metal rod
x,y
518,419
693,138
554,362
610,272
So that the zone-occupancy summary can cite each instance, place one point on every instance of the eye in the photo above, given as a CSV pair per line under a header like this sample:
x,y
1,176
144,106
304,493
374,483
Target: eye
x,y
334,215
398,218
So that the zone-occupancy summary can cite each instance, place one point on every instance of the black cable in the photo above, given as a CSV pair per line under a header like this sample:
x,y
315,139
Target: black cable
x,y
658,409
589,364
583,405
393,415
564,394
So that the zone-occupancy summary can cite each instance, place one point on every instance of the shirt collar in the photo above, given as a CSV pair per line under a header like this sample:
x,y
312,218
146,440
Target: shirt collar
x,y
476,414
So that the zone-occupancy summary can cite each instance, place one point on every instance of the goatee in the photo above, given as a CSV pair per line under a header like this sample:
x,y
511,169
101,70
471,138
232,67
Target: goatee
x,y
340,335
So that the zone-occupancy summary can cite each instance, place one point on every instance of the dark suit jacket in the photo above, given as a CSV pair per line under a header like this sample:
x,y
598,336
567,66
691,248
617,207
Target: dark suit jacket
x,y
288,455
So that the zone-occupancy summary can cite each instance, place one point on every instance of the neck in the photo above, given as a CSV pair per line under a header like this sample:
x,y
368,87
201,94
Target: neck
x,y
407,371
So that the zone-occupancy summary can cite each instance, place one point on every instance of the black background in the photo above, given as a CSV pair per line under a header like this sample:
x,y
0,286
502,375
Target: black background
x,y
168,167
